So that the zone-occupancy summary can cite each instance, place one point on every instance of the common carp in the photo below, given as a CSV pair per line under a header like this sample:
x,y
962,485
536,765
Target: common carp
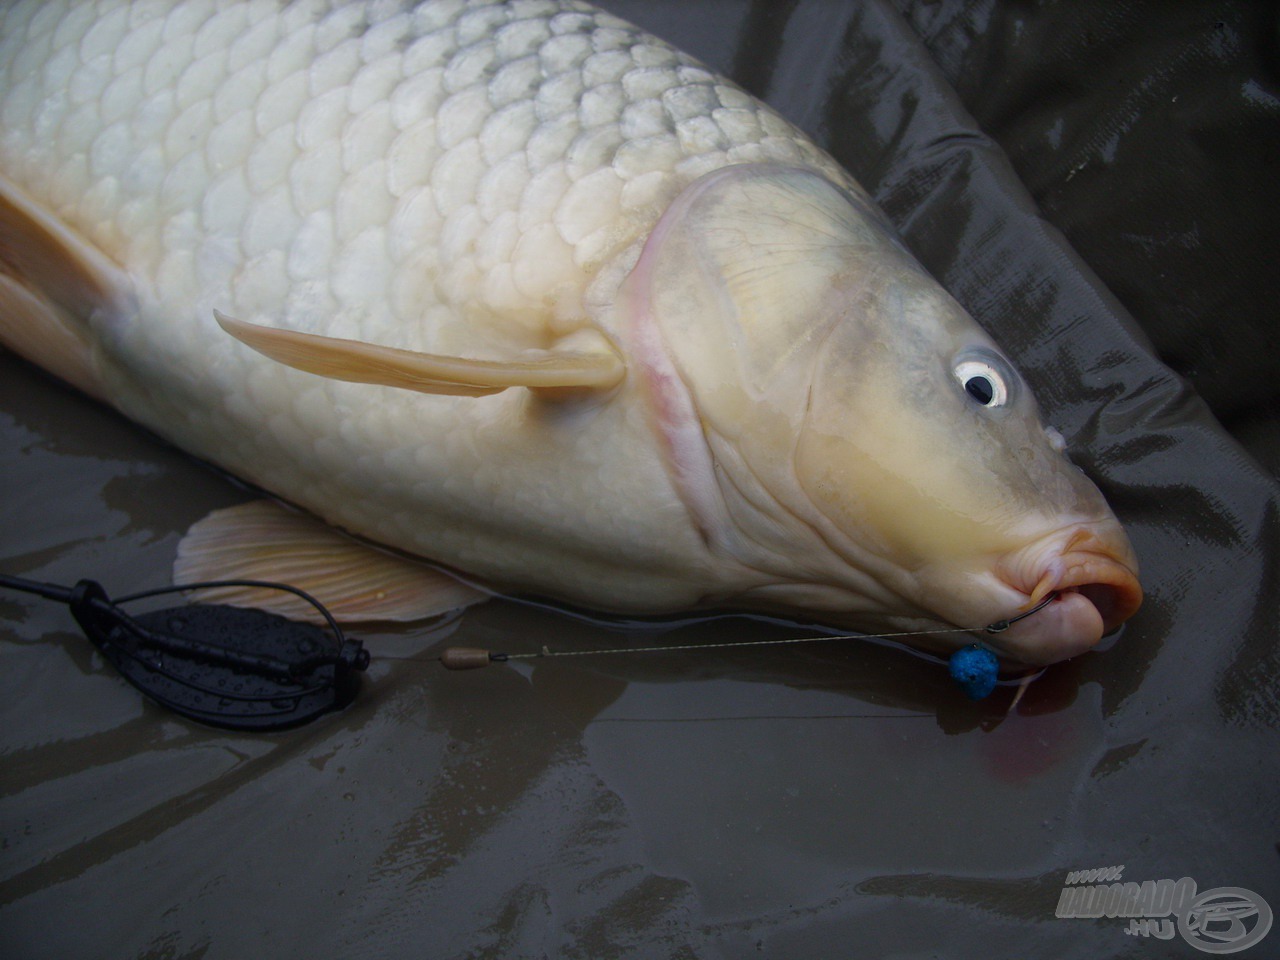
x,y
526,292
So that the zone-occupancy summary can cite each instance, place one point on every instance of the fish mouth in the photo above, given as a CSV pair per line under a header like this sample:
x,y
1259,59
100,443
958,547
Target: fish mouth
x,y
1093,578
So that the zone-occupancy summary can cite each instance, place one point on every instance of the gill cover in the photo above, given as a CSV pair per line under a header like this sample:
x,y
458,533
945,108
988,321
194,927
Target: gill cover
x,y
739,288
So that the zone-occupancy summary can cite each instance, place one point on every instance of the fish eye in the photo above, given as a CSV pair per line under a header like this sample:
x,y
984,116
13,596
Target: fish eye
x,y
984,381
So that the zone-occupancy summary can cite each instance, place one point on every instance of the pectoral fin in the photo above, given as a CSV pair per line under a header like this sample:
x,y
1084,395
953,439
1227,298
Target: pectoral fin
x,y
552,370
53,283
263,540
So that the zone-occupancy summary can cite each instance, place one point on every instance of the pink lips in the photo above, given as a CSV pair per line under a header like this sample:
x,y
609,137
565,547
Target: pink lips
x,y
1093,575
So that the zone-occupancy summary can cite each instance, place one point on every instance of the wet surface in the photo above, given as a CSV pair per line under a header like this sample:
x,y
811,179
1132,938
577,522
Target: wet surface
x,y
822,800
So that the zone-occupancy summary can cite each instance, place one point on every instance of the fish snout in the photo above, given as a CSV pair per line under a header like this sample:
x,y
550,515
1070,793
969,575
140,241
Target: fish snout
x,y
1092,574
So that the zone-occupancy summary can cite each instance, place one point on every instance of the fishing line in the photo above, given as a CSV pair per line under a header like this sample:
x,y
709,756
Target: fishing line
x,y
975,668
247,669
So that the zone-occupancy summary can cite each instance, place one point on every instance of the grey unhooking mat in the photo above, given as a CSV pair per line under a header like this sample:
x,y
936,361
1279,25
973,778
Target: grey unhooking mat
x,y
1096,183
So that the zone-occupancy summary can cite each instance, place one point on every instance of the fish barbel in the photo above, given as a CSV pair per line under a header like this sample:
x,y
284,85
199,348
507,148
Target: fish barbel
x,y
522,290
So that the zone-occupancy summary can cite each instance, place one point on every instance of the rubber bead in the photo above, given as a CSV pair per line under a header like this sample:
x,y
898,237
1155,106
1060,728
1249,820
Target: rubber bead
x,y
975,669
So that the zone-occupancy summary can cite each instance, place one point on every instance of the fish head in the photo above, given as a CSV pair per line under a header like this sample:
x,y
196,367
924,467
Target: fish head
x,y
848,439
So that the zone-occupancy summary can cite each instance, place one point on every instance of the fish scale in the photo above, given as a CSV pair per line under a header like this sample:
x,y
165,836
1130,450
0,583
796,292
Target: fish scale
x,y
731,383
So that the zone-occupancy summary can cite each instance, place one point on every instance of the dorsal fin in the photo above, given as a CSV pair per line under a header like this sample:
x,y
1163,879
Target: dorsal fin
x,y
550,370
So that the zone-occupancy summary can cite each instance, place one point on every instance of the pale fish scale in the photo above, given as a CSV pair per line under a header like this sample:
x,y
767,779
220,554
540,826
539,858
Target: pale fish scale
x,y
89,80
362,265
462,227
382,39
262,284
498,192
462,116
313,246
185,183
217,261
646,191
334,68
565,52
254,46
514,81
222,29
176,270
591,150
270,159
507,131
651,54
455,176
412,288
316,177
338,26
366,137
697,164
185,19
149,119
225,203
557,96
35,36
643,119
411,158
574,21
202,79
607,66
550,141
515,41
280,102
738,123
122,95
99,202
73,25
479,24
293,51
497,242
230,142
541,195
700,135
430,51
240,89
322,118
167,63
187,132
648,83
590,204
272,224
416,98
601,104
374,83
468,67
111,152
415,225
641,155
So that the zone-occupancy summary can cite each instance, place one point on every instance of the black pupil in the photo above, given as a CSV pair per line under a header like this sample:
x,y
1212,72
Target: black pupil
x,y
981,389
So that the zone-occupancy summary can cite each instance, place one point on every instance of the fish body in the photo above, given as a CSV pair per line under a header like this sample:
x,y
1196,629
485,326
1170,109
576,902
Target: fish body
x,y
521,289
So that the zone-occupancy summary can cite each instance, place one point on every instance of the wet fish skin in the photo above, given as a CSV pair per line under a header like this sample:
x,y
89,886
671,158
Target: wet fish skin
x,y
466,180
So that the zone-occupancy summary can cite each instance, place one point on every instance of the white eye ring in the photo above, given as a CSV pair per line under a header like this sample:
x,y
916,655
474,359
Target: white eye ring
x,y
982,382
